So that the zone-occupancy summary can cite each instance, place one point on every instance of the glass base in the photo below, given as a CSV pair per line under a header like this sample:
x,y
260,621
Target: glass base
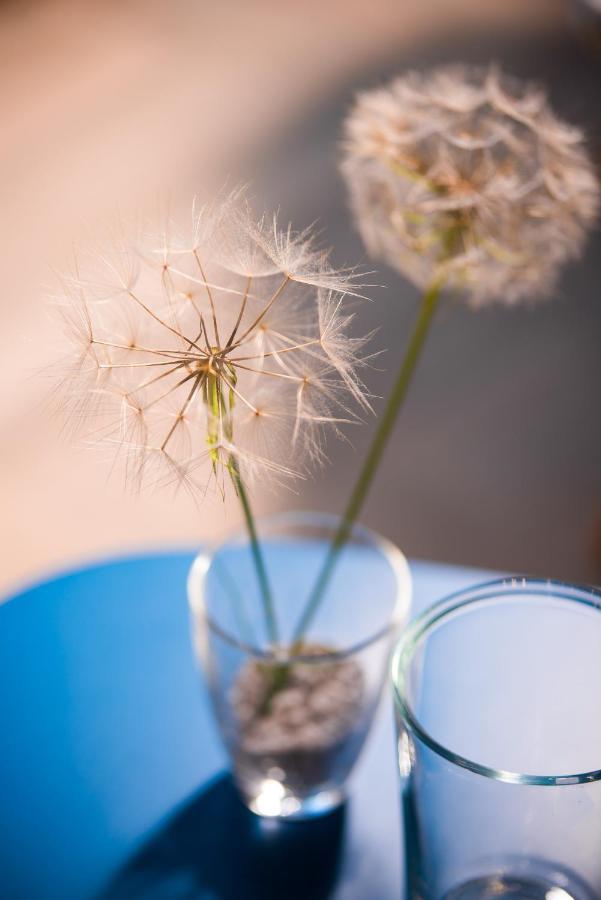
x,y
507,887
272,800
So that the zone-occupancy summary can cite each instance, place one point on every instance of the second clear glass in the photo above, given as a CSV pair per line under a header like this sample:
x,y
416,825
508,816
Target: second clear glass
x,y
497,692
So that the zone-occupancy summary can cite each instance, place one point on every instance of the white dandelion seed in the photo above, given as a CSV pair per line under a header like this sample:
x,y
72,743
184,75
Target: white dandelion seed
x,y
228,343
466,177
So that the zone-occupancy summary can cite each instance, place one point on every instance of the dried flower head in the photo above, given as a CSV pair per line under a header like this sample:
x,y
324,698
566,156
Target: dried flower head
x,y
229,345
466,176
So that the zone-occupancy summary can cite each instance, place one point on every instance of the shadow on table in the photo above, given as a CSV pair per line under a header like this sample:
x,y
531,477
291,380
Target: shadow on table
x,y
215,849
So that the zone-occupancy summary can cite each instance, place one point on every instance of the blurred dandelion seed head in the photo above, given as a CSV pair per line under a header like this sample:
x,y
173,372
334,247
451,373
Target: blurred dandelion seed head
x,y
228,342
466,176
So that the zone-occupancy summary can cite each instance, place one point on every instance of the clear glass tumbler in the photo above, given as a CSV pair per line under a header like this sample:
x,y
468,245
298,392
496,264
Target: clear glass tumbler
x,y
293,716
498,698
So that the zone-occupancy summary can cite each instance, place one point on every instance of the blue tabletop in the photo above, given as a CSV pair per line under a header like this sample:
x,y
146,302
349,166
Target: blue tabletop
x,y
113,780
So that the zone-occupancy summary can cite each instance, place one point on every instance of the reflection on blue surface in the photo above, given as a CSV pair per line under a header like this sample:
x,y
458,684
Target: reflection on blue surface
x,y
265,859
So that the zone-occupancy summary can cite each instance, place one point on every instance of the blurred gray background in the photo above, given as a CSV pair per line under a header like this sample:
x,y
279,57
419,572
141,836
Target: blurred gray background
x,y
496,459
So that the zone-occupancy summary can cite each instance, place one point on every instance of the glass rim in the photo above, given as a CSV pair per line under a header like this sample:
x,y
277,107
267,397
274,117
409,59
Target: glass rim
x,y
481,594
392,554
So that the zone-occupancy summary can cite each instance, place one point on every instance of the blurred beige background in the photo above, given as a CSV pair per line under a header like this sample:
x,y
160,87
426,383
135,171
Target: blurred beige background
x,y
112,106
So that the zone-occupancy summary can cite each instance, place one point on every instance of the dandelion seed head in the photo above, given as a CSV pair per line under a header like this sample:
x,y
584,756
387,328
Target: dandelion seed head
x,y
228,341
466,176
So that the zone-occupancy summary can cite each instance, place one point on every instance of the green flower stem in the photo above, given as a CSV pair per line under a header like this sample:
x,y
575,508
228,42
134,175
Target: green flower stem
x,y
424,319
268,606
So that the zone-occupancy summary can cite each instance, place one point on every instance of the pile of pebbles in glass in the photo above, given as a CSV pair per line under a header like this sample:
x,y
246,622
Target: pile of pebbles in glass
x,y
319,704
